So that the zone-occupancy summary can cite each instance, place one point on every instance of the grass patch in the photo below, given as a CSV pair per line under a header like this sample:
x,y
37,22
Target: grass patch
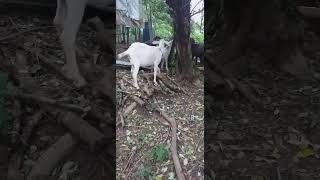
x,y
159,153
144,171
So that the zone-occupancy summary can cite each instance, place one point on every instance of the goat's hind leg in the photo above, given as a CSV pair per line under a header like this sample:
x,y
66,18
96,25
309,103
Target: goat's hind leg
x,y
72,23
135,76
155,70
60,16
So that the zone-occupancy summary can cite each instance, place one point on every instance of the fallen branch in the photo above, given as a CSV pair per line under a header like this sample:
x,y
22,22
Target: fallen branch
x,y
121,119
232,81
130,108
163,77
18,156
47,101
138,100
14,35
48,62
16,123
52,157
309,12
173,146
147,90
84,131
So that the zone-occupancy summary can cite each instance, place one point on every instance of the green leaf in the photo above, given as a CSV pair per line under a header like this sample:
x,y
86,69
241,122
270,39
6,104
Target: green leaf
x,y
189,151
159,153
305,152
144,171
158,177
276,155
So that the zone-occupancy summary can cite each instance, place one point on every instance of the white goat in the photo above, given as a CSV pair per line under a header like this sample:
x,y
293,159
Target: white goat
x,y
143,55
69,14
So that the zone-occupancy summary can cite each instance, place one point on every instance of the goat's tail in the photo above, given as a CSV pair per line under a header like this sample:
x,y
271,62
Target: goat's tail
x,y
122,55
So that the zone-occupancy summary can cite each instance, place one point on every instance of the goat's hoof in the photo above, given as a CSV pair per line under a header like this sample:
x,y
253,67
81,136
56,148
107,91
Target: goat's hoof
x,y
78,80
137,87
79,83
155,84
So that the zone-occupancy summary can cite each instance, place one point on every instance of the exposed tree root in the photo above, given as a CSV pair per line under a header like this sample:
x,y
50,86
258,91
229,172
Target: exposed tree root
x,y
17,157
167,82
231,81
48,101
52,157
14,35
84,131
173,146
129,109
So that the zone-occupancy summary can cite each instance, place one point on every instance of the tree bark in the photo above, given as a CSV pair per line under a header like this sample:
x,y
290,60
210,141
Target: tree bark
x,y
263,27
180,13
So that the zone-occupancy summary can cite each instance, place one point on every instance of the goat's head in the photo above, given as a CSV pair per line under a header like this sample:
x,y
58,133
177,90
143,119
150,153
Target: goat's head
x,y
157,38
168,45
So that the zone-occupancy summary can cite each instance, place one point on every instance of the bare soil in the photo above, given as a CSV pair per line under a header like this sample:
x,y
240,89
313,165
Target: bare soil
x,y
133,151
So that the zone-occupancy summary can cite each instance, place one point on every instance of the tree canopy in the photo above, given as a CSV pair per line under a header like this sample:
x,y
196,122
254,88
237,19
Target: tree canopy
x,y
162,22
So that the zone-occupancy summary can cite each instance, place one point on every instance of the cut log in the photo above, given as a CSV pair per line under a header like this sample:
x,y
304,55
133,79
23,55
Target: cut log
x,y
52,157
84,131
309,12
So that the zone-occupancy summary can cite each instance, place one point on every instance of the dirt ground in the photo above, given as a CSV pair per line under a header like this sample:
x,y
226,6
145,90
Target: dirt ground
x,y
145,130
31,37
280,141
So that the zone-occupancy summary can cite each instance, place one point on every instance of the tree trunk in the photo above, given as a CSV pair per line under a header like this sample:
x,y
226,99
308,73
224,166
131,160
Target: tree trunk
x,y
180,13
263,27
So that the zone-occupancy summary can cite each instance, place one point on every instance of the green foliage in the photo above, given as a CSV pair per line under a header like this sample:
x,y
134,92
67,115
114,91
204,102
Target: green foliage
x,y
196,32
159,153
305,152
142,137
163,29
189,151
162,22
4,116
144,171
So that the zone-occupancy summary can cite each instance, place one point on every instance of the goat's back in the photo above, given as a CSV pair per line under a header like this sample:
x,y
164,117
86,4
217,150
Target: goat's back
x,y
143,54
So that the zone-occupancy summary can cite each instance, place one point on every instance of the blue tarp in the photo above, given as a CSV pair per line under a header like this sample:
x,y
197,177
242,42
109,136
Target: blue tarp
x,y
146,32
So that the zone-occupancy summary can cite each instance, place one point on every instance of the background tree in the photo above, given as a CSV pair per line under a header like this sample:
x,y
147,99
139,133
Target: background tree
x,y
270,28
180,13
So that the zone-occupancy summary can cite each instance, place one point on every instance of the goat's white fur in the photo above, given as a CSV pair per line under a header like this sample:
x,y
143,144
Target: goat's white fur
x,y
165,54
69,14
143,55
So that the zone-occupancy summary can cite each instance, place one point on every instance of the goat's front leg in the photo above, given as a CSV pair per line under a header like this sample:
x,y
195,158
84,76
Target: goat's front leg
x,y
155,69
60,16
68,38
162,62
135,76
167,65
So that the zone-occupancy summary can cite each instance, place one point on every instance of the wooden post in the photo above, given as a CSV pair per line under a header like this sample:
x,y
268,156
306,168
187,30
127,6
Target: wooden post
x,y
135,35
123,34
128,36
139,35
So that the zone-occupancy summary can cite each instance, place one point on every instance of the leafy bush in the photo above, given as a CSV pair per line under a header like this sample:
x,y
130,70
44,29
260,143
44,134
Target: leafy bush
x,y
144,171
159,153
